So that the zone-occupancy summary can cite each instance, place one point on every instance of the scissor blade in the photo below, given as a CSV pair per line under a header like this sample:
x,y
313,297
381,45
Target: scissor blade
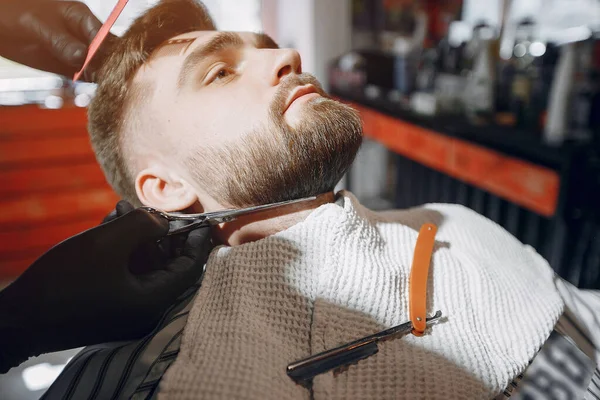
x,y
221,216
218,217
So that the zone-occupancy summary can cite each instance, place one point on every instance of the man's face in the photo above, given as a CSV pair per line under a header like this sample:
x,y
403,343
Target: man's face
x,y
235,123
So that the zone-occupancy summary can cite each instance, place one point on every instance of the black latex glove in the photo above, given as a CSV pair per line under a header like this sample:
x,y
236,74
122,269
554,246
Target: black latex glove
x,y
50,35
83,290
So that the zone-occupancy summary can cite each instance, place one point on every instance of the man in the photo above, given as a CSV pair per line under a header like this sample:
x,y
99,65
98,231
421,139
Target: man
x,y
83,291
190,120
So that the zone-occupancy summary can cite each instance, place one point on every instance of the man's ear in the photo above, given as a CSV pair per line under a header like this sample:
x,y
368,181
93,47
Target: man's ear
x,y
158,188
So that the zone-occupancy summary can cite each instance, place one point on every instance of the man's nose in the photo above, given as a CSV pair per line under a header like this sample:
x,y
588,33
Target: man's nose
x,y
287,61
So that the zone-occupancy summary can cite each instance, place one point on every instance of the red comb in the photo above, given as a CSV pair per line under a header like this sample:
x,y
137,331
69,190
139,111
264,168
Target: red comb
x,y
101,35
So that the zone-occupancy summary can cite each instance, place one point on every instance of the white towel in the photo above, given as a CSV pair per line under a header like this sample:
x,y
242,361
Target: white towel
x,y
342,274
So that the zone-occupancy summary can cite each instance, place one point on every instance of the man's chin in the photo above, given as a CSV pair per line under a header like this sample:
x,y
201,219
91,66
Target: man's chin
x,y
300,110
299,113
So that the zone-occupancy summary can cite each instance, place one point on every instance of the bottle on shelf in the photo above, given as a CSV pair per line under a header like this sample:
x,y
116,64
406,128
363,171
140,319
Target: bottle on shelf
x,y
522,81
556,128
449,82
479,93
584,91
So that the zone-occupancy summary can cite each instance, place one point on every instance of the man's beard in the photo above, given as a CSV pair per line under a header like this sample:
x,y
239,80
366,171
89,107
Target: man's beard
x,y
277,162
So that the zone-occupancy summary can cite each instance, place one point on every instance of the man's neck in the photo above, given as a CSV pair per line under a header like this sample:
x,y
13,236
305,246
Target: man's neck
x,y
252,227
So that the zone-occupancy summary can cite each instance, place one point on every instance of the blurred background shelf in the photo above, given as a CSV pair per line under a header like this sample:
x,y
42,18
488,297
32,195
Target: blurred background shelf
x,y
52,187
546,196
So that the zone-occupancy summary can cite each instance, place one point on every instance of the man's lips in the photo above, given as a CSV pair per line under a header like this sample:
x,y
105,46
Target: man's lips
x,y
299,92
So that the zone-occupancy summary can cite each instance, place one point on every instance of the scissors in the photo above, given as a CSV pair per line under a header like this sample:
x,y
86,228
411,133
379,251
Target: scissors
x,y
216,217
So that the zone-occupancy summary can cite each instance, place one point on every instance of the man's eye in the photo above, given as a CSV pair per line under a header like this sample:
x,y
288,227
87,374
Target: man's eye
x,y
221,74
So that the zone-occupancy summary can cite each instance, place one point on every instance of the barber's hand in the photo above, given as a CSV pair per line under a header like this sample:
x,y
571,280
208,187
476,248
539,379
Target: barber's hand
x,y
50,35
83,290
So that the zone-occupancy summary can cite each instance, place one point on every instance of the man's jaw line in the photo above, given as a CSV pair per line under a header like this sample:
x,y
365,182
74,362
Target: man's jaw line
x,y
252,227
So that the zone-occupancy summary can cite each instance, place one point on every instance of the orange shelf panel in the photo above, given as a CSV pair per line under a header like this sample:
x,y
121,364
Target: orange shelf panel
x,y
24,120
52,187
42,208
51,178
14,267
526,184
44,236
427,147
45,149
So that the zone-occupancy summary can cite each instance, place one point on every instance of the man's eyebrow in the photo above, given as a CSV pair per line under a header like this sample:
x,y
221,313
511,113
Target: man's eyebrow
x,y
220,41
264,41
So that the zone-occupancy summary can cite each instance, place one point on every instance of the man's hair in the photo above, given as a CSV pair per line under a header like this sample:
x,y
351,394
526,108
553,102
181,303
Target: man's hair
x,y
108,113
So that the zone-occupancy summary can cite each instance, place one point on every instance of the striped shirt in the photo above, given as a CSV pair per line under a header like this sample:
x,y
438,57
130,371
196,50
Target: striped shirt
x,y
126,370
133,370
